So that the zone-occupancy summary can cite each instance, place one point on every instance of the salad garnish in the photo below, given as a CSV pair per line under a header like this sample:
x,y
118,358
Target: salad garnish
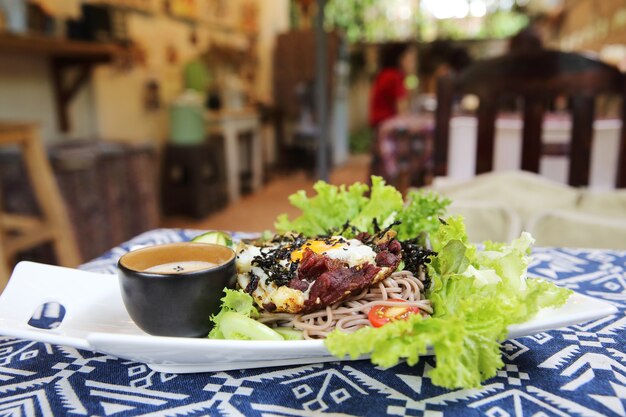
x,y
472,296
476,295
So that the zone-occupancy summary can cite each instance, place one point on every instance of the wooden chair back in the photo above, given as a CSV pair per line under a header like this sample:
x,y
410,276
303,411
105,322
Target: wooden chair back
x,y
536,77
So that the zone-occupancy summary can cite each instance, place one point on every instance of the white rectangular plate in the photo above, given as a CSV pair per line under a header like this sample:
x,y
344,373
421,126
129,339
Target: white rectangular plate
x,y
96,319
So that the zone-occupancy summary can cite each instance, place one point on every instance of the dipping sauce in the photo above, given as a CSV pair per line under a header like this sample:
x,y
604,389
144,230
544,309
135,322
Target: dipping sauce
x,y
185,278
180,267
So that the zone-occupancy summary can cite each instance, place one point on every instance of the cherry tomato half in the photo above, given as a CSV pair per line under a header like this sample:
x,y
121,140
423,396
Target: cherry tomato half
x,y
380,315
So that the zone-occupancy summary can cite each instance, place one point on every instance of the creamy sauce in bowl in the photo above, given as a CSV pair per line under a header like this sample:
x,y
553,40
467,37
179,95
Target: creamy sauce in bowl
x,y
181,267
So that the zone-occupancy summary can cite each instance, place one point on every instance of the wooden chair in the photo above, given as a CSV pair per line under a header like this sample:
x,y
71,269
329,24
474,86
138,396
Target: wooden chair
x,y
20,232
537,77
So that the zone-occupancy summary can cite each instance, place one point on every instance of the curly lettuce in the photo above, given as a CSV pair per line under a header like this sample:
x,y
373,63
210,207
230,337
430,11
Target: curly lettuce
x,y
476,295
421,214
235,320
334,206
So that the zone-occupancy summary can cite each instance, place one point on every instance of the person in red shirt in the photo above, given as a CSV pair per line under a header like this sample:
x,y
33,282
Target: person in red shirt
x,y
389,97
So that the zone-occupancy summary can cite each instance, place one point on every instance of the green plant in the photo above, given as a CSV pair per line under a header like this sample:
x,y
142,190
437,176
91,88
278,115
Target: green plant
x,y
361,140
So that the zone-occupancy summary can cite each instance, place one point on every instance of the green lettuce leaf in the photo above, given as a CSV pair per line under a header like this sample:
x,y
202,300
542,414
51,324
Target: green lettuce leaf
x,y
329,209
236,302
236,321
383,205
465,356
476,296
453,229
421,214
333,206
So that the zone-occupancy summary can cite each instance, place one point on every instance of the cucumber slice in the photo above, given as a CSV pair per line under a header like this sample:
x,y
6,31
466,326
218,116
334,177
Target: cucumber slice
x,y
237,326
289,334
216,237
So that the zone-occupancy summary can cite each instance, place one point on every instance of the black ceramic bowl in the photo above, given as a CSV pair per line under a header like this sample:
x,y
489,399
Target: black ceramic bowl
x,y
175,304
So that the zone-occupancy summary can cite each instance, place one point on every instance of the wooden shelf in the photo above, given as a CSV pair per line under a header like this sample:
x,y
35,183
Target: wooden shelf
x,y
52,47
63,56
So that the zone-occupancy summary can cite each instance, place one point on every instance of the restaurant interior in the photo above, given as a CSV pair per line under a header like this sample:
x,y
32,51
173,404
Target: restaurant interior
x,y
313,207
118,117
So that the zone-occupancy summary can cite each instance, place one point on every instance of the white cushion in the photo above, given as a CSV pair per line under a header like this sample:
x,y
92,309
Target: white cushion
x,y
578,230
524,192
608,204
487,220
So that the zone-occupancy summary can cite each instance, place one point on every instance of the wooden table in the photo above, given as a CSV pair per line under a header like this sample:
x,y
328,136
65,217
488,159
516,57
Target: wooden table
x,y
230,124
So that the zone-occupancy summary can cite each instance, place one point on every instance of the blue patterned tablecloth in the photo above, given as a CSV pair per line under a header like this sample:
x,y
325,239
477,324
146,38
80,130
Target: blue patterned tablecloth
x,y
579,370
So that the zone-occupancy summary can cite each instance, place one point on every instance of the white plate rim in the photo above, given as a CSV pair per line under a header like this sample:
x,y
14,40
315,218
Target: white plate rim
x,y
30,276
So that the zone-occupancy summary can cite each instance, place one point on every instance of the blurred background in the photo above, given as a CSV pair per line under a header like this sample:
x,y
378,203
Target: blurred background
x,y
207,114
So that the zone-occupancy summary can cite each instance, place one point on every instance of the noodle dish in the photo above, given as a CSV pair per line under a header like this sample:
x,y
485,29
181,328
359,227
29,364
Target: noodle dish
x,y
376,275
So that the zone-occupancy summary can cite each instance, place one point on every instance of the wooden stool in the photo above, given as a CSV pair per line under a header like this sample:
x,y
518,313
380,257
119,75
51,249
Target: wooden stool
x,y
20,232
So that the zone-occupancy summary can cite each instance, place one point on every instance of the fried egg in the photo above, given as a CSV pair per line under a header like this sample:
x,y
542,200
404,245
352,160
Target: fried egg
x,y
353,252
283,257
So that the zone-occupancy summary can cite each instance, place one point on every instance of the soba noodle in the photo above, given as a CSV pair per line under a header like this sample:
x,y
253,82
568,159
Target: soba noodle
x,y
351,314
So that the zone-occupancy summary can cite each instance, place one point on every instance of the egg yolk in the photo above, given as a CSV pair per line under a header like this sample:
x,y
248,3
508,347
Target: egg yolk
x,y
317,246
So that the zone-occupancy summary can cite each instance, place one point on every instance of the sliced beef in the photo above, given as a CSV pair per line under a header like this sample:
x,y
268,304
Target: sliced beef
x,y
298,284
388,249
313,265
387,259
339,284
331,280
389,254
392,246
